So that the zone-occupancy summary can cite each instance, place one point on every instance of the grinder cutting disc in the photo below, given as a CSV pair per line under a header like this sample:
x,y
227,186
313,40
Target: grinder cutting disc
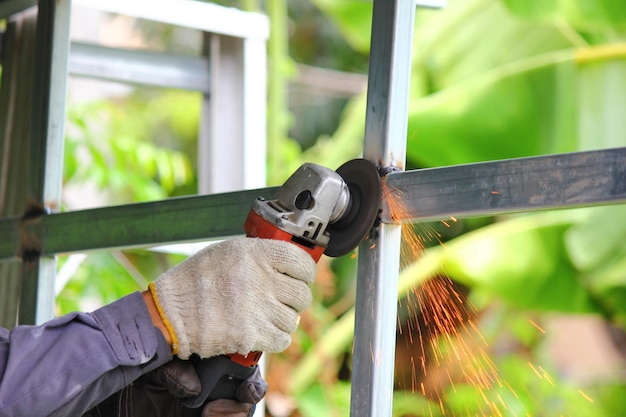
x,y
363,181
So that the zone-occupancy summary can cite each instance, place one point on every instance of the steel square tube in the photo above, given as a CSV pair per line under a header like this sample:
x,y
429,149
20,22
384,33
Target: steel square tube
x,y
508,186
192,14
135,225
379,256
140,67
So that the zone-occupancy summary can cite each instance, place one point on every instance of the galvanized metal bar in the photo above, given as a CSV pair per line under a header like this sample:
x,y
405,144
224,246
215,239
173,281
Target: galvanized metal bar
x,y
140,67
135,225
45,160
509,186
191,14
254,52
379,255
15,95
233,116
220,139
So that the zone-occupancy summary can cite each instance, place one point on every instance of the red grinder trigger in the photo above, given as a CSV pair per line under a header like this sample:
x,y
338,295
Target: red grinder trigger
x,y
323,212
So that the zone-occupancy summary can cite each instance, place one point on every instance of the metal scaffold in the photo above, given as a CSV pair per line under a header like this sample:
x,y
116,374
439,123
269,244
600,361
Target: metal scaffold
x,y
32,233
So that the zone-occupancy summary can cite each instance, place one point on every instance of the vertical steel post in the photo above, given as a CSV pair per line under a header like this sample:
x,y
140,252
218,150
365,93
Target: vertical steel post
x,y
15,103
379,255
45,159
233,128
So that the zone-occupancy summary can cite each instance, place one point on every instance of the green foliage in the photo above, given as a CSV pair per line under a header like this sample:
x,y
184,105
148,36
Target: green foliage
x,y
597,15
127,151
325,400
114,148
353,19
522,261
100,280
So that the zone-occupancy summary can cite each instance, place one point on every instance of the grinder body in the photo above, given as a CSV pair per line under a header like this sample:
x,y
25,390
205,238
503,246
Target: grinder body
x,y
311,209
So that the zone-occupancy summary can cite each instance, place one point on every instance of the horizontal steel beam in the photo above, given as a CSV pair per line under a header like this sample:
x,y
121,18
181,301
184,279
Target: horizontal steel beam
x,y
182,219
509,186
192,14
140,67
483,189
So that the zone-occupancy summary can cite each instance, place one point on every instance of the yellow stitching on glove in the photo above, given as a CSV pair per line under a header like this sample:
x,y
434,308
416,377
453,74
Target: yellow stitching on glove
x,y
166,322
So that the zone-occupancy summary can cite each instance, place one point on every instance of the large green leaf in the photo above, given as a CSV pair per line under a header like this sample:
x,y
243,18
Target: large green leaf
x,y
353,18
522,261
598,248
590,15
601,103
522,109
596,240
468,38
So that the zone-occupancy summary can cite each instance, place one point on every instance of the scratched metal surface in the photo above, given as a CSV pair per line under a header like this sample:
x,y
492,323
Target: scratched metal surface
x,y
509,186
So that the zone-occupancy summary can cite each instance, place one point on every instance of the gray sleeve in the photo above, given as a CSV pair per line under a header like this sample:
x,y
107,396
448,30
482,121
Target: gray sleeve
x,y
69,364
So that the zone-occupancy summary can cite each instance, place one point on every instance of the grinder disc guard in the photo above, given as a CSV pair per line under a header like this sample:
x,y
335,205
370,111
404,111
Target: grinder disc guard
x,y
363,181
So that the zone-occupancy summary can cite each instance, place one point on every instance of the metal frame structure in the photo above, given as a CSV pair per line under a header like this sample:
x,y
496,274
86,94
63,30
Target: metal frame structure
x,y
556,181
230,75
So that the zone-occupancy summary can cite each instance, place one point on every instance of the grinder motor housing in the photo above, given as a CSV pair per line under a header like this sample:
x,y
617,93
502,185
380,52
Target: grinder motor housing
x,y
311,199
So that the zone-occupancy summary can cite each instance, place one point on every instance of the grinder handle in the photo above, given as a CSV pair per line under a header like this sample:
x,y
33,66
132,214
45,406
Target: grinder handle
x,y
257,226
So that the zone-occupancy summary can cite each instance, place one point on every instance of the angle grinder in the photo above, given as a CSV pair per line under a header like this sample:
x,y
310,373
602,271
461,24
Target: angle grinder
x,y
322,211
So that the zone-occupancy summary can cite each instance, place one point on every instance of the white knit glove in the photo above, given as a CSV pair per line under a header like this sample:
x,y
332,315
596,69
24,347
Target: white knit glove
x,y
237,296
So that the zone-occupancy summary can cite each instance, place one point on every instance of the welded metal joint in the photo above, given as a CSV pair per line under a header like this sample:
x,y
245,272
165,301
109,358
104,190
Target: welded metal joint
x,y
383,171
386,170
29,245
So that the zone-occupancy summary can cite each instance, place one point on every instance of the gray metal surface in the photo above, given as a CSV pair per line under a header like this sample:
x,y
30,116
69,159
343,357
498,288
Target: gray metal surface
x,y
231,147
135,225
379,255
508,186
192,14
140,67
45,159
15,94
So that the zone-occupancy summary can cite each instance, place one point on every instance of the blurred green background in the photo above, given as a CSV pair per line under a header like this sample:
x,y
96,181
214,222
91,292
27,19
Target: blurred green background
x,y
533,306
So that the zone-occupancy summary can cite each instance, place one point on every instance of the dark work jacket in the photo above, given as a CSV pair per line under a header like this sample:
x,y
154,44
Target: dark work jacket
x,y
67,365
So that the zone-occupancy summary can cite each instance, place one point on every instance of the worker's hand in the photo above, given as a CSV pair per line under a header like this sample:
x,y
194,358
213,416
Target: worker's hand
x,y
236,296
160,393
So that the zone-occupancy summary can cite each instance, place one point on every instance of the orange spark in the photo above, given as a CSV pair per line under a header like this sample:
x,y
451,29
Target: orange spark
x,y
535,370
448,336
585,396
537,326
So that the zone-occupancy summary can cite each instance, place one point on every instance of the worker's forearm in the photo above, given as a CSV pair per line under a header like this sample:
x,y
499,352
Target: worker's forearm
x,y
68,365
